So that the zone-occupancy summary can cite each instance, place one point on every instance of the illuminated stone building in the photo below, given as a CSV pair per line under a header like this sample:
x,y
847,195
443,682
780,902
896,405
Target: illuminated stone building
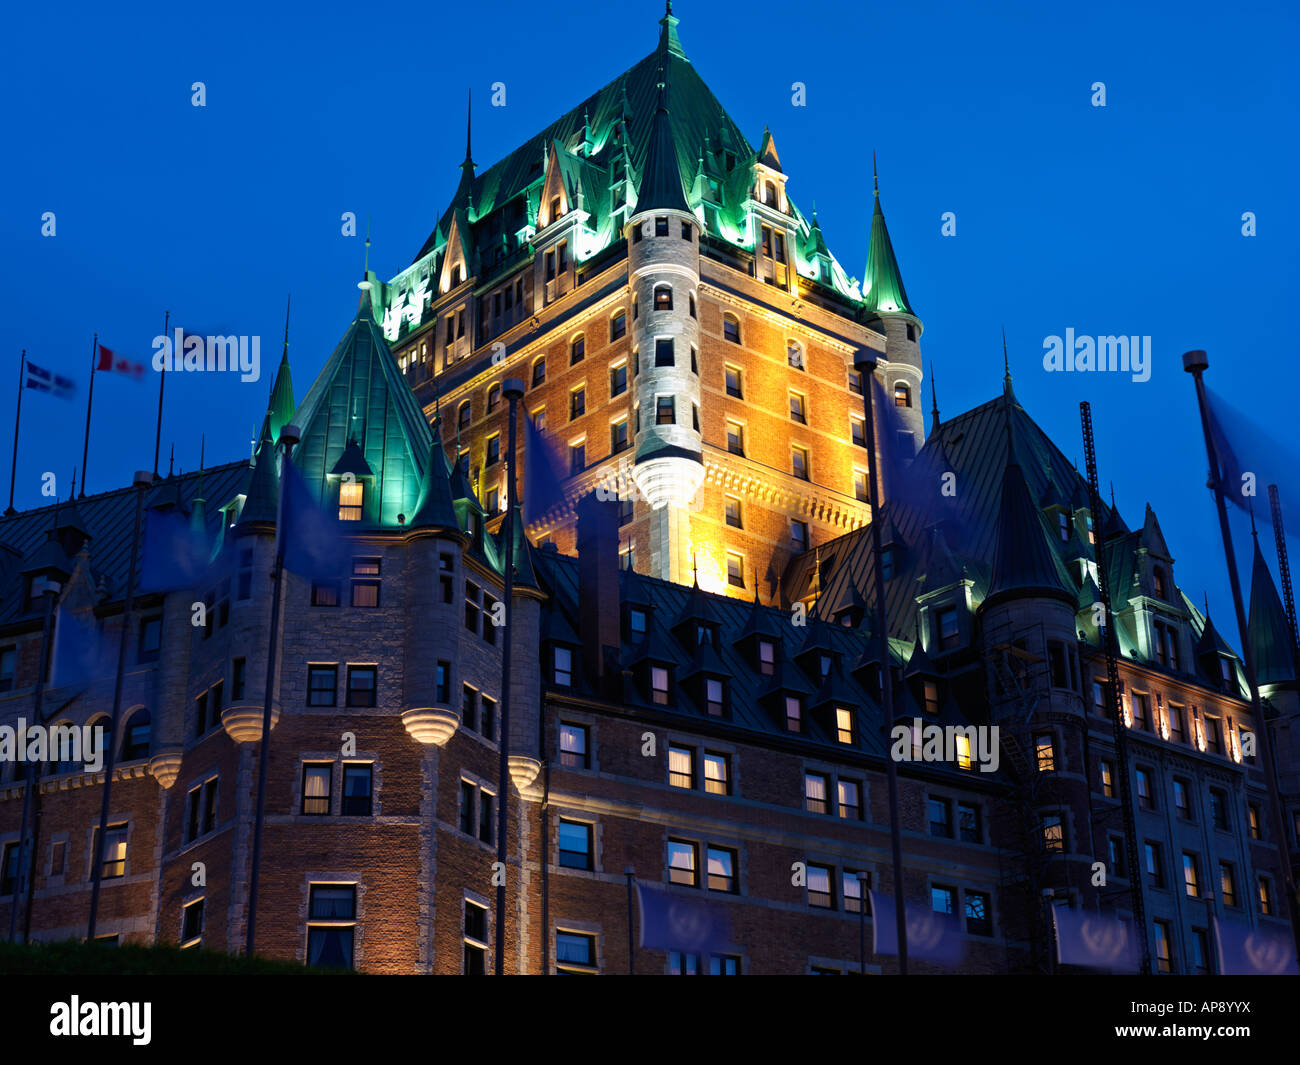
x,y
693,733
686,335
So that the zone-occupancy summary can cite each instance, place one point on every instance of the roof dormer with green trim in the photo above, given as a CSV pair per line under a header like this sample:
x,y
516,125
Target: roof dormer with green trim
x,y
361,424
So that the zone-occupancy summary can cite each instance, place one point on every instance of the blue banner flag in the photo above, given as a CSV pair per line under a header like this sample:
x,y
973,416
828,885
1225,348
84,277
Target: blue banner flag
x,y
674,922
931,936
1246,951
79,652
45,381
314,546
1095,940
1250,460
174,555
543,474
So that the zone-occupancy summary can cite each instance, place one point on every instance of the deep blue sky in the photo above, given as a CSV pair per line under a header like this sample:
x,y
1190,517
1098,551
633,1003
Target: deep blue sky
x,y
1117,220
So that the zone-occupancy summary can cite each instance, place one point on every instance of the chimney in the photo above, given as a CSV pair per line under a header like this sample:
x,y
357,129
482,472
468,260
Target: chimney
x,y
599,623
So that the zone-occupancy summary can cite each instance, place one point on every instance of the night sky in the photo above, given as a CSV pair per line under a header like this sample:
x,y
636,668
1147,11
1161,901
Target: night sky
x,y
1123,219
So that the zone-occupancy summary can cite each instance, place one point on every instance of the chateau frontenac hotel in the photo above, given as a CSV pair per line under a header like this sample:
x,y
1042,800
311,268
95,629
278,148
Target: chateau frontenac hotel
x,y
695,691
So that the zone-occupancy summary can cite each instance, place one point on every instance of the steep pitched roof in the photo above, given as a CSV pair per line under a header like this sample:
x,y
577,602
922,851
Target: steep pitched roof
x,y
361,393
882,287
434,508
661,179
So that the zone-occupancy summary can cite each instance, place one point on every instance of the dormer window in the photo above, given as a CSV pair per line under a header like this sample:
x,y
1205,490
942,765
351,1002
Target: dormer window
x,y
766,657
793,713
704,634
351,494
36,585
825,663
1226,671
1158,582
714,696
1092,536
659,685
1063,522
931,697
946,624
844,724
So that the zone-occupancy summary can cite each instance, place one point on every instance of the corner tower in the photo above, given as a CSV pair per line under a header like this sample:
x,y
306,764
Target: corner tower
x,y
663,281
885,299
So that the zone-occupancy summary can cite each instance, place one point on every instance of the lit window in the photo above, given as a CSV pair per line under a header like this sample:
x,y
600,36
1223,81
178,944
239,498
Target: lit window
x,y
931,697
793,713
717,773
1107,779
843,724
849,793
1045,754
1265,897
575,952
317,779
681,862
941,899
1164,953
816,794
350,493
714,696
964,760
902,395
1227,884
766,657
721,869
663,298
681,767
1190,879
1053,834
820,891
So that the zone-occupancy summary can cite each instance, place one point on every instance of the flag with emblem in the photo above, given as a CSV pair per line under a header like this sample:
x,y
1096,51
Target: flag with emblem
x,y
1246,951
1094,940
674,922
931,936
111,361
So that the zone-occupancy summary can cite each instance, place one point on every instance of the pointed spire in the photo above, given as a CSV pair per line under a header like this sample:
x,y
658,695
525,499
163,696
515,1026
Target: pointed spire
x,y
669,42
434,509
934,401
1006,367
198,505
1267,629
1023,562
469,116
661,181
171,459
279,408
882,285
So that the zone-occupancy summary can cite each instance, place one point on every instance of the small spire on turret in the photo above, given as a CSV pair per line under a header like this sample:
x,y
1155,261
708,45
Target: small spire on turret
x,y
934,403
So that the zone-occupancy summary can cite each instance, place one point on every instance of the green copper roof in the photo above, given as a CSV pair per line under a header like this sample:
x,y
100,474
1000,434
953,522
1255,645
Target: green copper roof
x,y
362,395
434,509
1267,630
883,289
602,145
1023,564
262,486
279,410
661,180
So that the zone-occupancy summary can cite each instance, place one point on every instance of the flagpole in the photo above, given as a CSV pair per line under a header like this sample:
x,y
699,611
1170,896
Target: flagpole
x,y
27,865
513,388
1284,574
162,380
865,362
142,481
1196,363
289,436
85,447
630,873
13,467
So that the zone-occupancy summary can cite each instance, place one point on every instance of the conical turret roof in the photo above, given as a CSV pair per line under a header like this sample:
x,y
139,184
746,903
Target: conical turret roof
x,y
882,287
1267,630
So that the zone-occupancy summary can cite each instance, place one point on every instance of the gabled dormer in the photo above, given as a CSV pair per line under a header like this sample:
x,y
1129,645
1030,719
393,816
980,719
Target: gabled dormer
x,y
351,484
760,641
785,697
944,599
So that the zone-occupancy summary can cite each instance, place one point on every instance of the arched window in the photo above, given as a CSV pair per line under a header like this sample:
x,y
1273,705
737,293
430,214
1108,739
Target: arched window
x,y
463,415
577,349
61,746
794,354
731,328
539,371
493,398
99,730
135,742
902,395
663,298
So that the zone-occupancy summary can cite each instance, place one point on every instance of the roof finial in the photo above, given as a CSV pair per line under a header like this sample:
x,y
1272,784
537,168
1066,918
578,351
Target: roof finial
x,y
875,177
1112,495
695,565
934,401
288,300
1253,531
171,459
469,157
1006,360
1207,603
365,266
73,495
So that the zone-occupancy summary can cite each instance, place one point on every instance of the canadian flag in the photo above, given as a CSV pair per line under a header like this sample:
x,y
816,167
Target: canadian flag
x,y
109,361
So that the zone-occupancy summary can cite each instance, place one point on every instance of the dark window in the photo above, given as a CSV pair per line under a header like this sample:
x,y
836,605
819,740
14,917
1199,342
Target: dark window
x,y
577,403
357,783
731,329
575,844
476,943
968,822
10,868
577,349
192,923
1146,797
618,325
444,682
799,463
735,438
485,816
575,948
493,455
488,718
577,458
1219,809
150,639
469,707
1163,947
563,660
329,944
665,410
244,585
617,380
664,351
8,663
1155,867
661,227
949,631
362,685
539,372
238,677
733,382
322,685
940,818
